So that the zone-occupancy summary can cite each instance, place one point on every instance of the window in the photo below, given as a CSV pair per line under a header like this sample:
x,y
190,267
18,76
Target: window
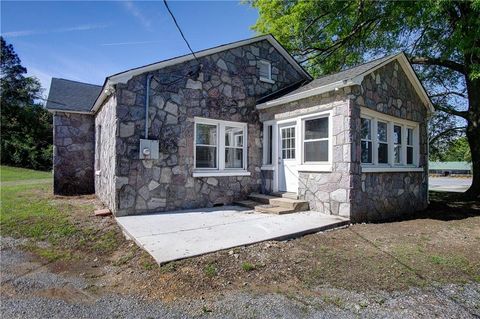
x,y
219,146
206,146
388,143
316,140
382,137
288,142
268,145
233,147
397,142
366,156
409,146
265,71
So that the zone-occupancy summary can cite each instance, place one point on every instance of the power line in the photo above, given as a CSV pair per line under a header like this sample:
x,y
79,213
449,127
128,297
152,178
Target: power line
x,y
179,29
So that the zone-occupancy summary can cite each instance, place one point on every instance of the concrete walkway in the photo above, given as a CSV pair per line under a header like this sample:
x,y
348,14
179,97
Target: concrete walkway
x,y
175,235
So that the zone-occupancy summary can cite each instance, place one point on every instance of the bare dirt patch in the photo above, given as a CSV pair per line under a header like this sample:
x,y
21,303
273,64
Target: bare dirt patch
x,y
439,245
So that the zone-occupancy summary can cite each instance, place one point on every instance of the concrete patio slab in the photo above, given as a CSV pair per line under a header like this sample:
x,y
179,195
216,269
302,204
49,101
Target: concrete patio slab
x,y
175,235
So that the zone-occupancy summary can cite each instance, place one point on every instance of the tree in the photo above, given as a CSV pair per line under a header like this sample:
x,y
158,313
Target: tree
x,y
26,139
440,37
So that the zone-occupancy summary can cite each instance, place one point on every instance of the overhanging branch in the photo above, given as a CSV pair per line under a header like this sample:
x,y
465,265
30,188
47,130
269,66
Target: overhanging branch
x,y
439,62
451,111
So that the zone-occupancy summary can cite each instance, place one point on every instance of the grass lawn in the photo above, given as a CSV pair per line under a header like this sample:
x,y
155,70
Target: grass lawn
x,y
440,245
8,173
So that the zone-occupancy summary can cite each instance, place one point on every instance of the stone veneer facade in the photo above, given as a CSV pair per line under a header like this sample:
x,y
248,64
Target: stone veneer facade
x,y
346,190
73,152
225,88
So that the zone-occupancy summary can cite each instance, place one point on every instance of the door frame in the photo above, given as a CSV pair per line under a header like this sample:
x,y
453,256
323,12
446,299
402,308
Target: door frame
x,y
301,167
288,124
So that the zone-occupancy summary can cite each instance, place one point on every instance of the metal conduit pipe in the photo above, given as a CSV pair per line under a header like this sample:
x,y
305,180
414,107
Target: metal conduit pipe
x,y
147,103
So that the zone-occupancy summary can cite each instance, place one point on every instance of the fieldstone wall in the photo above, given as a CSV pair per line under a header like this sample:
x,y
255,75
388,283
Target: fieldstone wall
x,y
326,192
105,153
221,86
383,196
346,190
73,153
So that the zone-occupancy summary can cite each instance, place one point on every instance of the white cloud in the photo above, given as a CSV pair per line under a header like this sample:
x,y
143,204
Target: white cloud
x,y
135,11
23,33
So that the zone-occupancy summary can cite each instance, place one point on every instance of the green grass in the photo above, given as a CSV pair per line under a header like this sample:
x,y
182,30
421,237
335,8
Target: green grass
x,y
8,173
248,266
28,211
210,270
26,214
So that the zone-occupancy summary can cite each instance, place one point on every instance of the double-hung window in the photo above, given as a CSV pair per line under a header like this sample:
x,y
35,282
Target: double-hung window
x,y
397,144
382,137
206,145
409,146
315,140
367,148
220,148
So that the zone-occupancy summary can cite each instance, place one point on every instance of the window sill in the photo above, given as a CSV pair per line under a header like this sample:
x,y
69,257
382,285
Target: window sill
x,y
314,168
267,80
267,168
386,169
214,173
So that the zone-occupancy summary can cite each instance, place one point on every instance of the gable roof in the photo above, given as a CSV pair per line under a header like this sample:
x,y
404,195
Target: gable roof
x,y
71,96
124,76
352,76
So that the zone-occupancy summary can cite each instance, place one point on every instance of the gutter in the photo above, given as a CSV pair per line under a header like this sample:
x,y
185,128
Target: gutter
x,y
315,91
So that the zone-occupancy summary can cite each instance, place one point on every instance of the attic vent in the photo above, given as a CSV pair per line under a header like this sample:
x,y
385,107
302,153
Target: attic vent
x,y
265,71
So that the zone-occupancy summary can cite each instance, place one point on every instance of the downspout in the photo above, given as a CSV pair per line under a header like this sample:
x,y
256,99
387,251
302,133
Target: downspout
x,y
147,103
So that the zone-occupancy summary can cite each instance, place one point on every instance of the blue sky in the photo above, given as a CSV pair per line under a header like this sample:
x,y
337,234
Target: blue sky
x,y
86,41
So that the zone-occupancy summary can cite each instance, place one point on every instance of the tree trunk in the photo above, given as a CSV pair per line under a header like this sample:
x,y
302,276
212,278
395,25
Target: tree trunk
x,y
473,135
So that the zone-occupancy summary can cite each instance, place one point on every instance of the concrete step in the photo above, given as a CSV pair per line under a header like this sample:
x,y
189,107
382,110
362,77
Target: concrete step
x,y
292,204
261,198
247,203
270,209
286,195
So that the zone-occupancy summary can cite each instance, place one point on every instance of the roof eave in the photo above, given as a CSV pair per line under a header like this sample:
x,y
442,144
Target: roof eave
x,y
357,80
124,77
70,111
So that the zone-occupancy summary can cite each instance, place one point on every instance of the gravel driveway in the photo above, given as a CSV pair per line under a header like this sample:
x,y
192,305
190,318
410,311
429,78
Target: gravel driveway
x,y
30,290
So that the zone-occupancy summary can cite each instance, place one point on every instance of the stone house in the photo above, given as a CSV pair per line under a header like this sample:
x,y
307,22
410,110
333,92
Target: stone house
x,y
246,118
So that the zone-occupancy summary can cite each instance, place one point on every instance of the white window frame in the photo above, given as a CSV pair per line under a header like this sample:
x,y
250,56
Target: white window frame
x,y
328,139
269,65
391,121
371,140
220,170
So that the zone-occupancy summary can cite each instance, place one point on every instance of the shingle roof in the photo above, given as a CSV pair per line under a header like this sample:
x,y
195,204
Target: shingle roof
x,y
342,75
72,95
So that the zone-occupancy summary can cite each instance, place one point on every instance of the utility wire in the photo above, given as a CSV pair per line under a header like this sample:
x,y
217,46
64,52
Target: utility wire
x,y
179,29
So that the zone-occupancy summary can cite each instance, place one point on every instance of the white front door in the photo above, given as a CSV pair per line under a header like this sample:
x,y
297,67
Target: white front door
x,y
287,163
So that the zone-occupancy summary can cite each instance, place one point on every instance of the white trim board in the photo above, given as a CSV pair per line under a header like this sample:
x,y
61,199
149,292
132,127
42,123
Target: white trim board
x,y
357,80
123,77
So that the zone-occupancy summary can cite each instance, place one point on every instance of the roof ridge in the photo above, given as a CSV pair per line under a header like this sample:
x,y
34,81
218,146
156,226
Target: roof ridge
x,y
359,65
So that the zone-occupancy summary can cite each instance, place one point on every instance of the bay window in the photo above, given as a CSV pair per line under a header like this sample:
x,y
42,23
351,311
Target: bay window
x,y
388,143
220,148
